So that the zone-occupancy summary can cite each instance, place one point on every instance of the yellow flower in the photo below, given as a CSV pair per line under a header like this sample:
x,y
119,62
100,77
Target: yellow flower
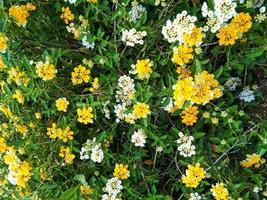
x,y
85,115
21,129
251,160
3,43
183,90
19,96
38,115
3,145
62,134
66,15
18,77
6,110
23,174
95,85
79,75
86,189
227,35
121,171
190,115
242,22
62,104
21,13
194,174
46,71
67,155
195,38
182,55
143,68
141,110
214,120
220,192
183,72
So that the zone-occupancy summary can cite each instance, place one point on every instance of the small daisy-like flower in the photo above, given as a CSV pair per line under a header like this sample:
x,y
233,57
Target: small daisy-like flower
x,y
62,104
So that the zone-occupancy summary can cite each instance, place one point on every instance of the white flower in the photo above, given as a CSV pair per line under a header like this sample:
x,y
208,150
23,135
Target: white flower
x,y
132,37
232,83
92,149
174,30
186,148
71,1
260,17
136,12
247,95
97,154
139,138
113,188
194,196
262,9
87,44
256,189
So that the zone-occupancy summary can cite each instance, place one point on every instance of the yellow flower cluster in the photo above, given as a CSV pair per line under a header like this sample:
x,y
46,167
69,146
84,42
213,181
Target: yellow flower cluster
x,y
19,96
19,172
66,153
86,189
62,104
6,110
46,71
18,77
3,43
182,55
253,160
3,145
201,90
21,129
79,75
141,110
220,192
143,68
228,34
195,38
121,171
85,115
95,85
190,115
194,174
62,134
66,15
21,13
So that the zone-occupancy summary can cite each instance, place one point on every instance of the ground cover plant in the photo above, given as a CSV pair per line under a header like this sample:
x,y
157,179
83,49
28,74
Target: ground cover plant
x,y
121,99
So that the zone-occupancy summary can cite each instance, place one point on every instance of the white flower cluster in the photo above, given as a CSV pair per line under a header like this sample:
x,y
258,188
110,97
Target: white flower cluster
x,y
163,3
71,1
247,95
224,10
232,83
136,11
113,188
174,30
194,196
132,37
124,96
92,149
186,148
139,138
86,44
262,15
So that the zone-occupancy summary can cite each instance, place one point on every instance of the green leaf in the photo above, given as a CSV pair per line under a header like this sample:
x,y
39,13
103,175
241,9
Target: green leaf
x,y
218,72
196,67
81,178
70,193
255,53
